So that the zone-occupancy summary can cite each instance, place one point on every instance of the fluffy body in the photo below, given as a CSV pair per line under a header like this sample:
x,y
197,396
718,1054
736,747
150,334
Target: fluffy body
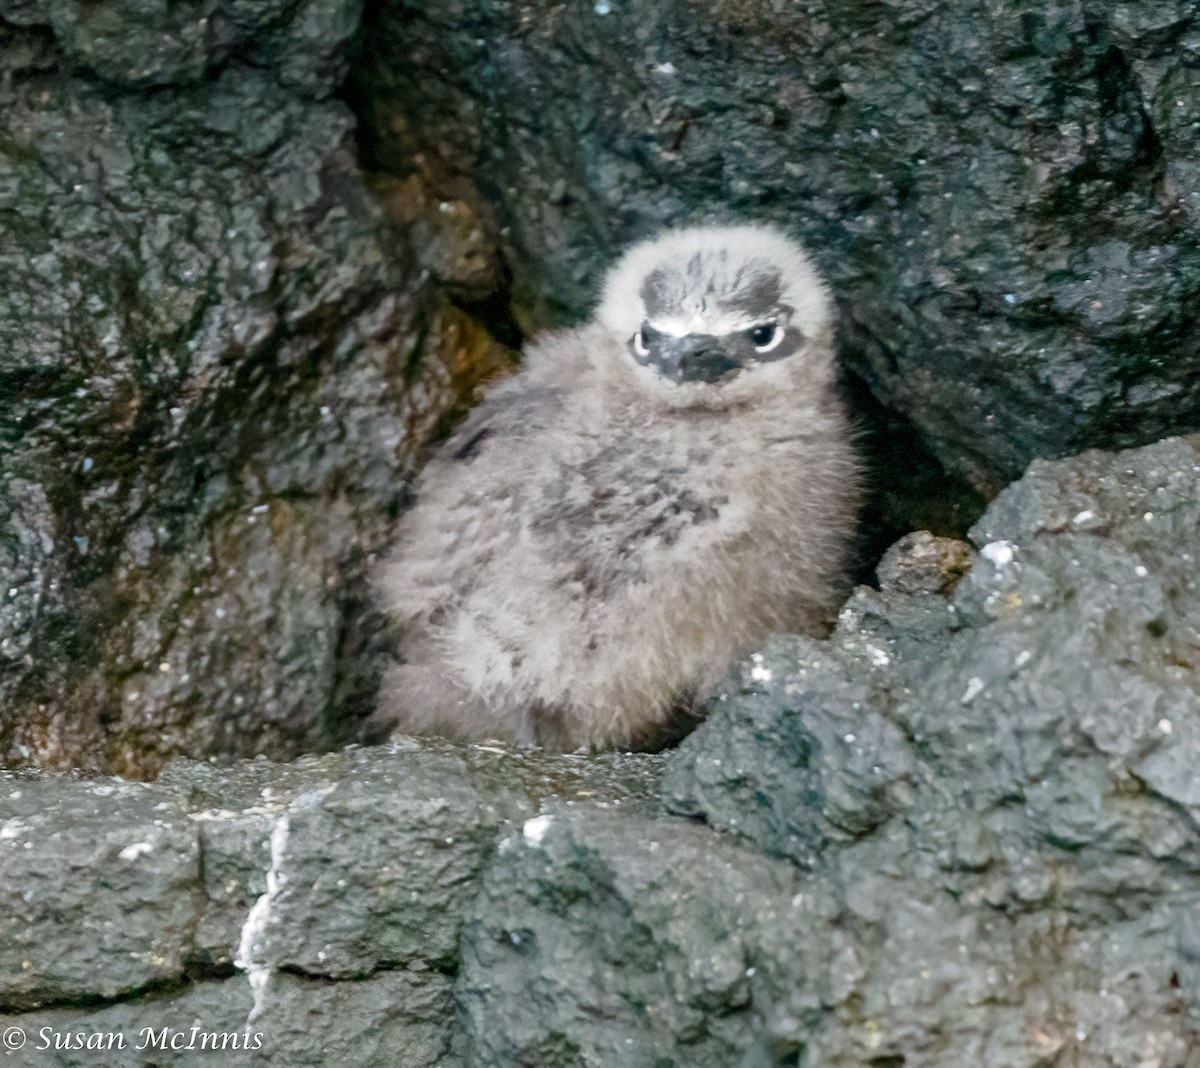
x,y
598,543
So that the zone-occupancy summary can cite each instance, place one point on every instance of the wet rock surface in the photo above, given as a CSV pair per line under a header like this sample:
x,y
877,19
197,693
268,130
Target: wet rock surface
x,y
218,360
255,259
1004,199
964,829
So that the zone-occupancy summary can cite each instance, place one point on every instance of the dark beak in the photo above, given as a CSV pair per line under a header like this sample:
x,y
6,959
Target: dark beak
x,y
695,358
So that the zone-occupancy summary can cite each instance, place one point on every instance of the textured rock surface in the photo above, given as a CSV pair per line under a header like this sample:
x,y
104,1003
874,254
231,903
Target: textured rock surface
x,y
109,866
964,830
997,786
221,349
656,926
395,1017
1004,198
217,362
318,903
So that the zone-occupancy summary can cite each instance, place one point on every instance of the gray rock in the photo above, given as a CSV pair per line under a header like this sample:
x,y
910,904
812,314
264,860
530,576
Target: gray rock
x,y
337,867
835,772
602,938
98,883
1004,200
218,360
1020,748
395,1017
373,853
369,869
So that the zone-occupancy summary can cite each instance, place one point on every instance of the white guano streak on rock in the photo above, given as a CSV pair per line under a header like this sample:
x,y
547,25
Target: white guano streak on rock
x,y
250,956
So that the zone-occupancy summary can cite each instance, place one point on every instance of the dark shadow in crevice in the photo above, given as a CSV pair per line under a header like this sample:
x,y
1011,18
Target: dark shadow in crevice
x,y
906,487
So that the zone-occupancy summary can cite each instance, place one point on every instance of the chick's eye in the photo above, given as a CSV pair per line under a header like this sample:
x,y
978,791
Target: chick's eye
x,y
766,336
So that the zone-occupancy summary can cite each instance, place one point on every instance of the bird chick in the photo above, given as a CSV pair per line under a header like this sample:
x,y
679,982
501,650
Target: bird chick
x,y
651,496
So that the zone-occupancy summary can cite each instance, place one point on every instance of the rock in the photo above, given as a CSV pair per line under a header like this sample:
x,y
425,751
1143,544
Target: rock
x,y
317,904
605,937
1020,747
220,359
961,830
1003,200
922,563
393,1017
454,239
793,783
374,852
97,882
